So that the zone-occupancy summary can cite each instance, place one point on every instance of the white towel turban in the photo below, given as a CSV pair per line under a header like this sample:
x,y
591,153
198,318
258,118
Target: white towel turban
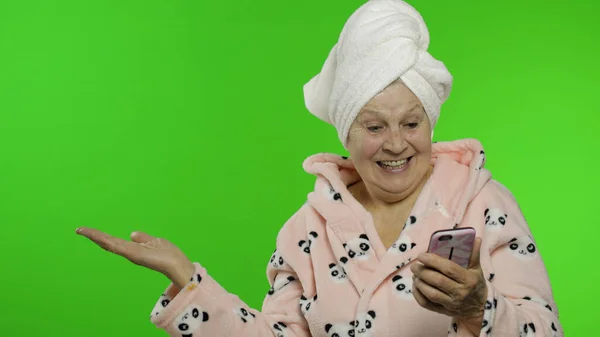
x,y
382,41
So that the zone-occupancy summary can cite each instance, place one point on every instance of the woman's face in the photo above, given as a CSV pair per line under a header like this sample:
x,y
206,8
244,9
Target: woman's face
x,y
390,143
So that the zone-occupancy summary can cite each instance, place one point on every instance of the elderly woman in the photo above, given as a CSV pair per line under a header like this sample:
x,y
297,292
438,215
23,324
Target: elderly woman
x,y
353,261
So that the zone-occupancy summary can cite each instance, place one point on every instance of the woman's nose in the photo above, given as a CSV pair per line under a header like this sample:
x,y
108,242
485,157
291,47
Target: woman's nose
x,y
395,142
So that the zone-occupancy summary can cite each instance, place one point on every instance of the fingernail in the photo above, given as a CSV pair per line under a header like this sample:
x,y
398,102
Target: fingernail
x,y
77,230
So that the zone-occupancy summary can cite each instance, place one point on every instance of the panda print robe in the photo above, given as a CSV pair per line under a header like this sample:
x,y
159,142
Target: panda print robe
x,y
330,274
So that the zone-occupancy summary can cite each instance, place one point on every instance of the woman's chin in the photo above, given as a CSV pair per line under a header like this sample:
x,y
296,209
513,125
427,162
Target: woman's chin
x,y
399,183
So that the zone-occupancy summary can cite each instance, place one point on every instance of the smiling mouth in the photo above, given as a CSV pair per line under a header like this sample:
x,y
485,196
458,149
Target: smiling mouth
x,y
394,164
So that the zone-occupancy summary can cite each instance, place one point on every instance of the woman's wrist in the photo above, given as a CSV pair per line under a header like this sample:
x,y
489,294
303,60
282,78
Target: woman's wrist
x,y
473,324
182,274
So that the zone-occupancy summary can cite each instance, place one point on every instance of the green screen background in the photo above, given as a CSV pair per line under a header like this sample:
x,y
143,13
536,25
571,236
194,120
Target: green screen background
x,y
186,120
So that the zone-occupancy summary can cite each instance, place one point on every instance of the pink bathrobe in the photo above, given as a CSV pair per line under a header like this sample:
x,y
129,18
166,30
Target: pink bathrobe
x,y
331,275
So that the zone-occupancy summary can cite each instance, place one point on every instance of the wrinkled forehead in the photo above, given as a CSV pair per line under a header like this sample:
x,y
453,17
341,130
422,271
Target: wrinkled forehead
x,y
395,99
416,110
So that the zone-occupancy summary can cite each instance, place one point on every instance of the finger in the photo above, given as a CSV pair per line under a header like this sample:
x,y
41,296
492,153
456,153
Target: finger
x,y
417,268
424,302
141,237
431,293
433,277
110,243
474,261
444,266
438,281
90,233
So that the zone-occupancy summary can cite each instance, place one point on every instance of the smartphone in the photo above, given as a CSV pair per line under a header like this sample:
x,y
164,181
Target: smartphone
x,y
453,244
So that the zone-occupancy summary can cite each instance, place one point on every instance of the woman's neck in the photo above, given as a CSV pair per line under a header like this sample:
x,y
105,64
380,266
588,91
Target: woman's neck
x,y
376,204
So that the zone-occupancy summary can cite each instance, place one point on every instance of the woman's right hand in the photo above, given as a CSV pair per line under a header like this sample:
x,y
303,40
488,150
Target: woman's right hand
x,y
147,251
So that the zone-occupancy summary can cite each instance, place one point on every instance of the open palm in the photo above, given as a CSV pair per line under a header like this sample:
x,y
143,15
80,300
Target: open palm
x,y
144,250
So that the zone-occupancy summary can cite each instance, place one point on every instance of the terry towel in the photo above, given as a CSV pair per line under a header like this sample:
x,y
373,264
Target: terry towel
x,y
383,40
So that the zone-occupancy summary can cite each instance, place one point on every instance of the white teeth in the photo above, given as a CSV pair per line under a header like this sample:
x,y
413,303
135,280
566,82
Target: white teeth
x,y
394,163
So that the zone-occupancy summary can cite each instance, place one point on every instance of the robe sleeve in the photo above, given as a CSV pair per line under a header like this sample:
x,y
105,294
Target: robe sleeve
x,y
204,308
520,302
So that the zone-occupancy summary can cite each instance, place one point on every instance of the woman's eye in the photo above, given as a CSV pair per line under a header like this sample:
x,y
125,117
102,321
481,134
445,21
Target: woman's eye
x,y
412,125
374,128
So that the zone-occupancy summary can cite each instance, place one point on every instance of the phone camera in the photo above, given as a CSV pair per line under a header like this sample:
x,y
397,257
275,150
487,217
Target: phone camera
x,y
445,237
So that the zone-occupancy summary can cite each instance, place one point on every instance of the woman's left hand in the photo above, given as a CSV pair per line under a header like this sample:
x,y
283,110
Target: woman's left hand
x,y
443,286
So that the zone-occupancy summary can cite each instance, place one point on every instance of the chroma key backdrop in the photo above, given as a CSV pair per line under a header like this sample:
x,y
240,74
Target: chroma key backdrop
x,y
186,120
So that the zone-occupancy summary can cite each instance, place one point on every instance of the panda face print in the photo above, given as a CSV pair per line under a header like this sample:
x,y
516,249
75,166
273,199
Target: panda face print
x,y
339,330
402,286
364,324
343,261
410,221
281,282
486,327
306,303
196,278
280,329
245,315
482,154
527,330
332,194
401,265
276,260
190,320
194,282
305,244
494,218
402,245
337,273
554,330
162,303
488,315
164,300
522,247
359,248
453,329
539,301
